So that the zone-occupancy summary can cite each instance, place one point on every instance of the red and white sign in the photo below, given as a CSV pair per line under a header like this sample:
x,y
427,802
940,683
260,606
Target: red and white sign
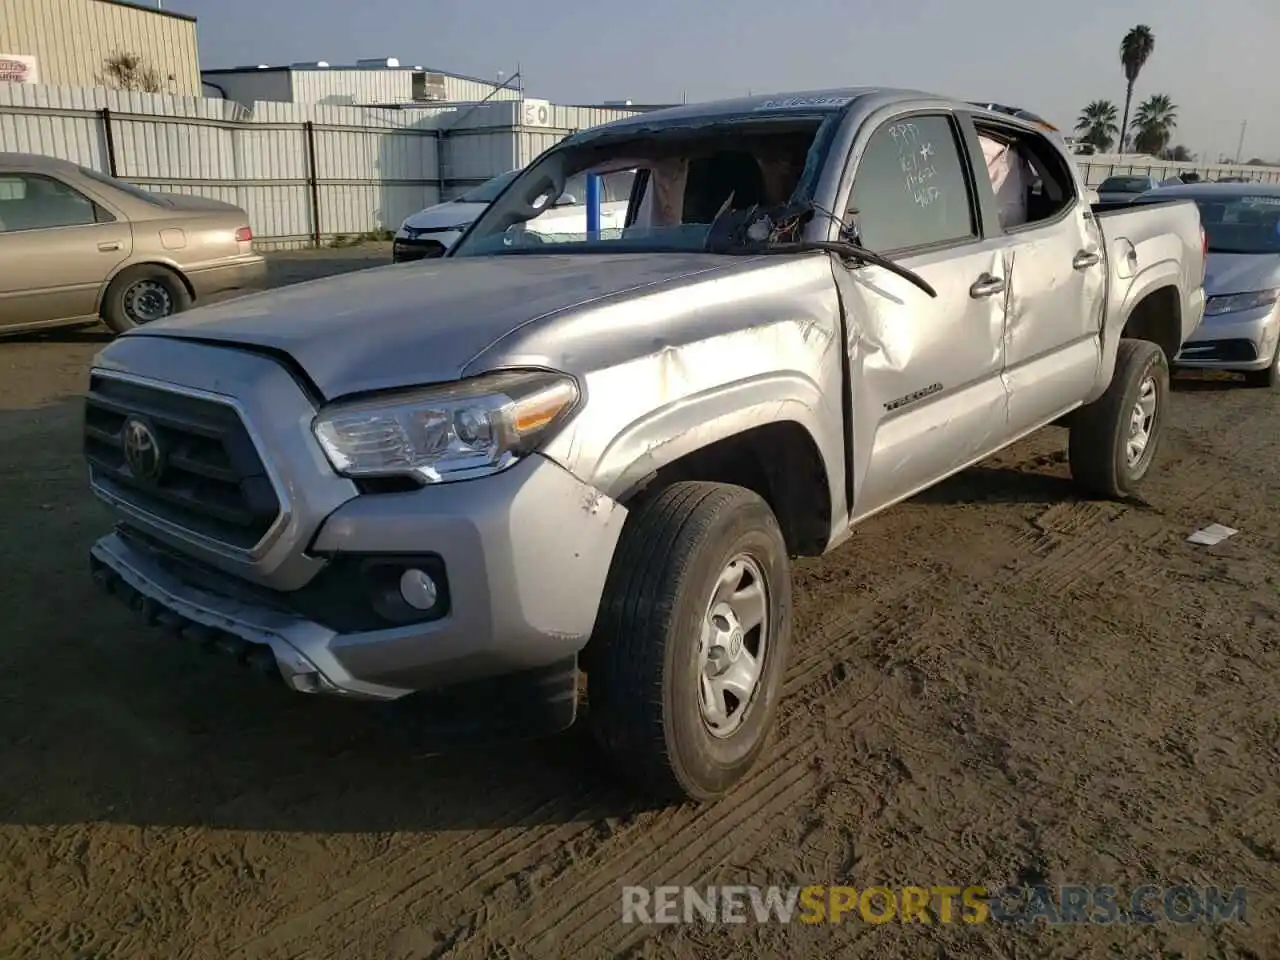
x,y
18,68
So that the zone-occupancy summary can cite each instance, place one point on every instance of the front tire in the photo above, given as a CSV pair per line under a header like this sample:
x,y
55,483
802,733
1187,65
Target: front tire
x,y
1114,439
685,669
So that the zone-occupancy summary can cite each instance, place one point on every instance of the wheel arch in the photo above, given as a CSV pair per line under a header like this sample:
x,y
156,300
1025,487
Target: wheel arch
x,y
779,460
165,265
1156,315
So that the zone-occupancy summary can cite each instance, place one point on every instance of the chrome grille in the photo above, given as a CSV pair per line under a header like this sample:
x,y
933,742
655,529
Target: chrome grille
x,y
213,481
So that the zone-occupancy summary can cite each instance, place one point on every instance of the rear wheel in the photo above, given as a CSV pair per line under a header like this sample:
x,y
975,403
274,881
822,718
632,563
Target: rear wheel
x,y
143,294
1114,439
1268,379
685,669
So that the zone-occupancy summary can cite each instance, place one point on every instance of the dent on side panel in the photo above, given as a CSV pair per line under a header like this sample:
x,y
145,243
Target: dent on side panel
x,y
1053,326
724,355
925,374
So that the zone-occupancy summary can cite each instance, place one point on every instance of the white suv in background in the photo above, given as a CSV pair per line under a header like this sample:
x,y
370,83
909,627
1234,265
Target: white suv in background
x,y
432,232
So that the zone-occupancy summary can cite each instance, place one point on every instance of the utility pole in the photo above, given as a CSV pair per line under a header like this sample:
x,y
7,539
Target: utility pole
x,y
1244,125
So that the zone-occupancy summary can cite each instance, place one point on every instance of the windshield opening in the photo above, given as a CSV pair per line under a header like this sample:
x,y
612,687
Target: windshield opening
x,y
1241,224
488,191
136,192
689,176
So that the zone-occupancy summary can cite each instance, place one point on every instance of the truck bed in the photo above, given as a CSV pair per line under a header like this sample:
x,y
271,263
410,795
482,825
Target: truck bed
x,y
1155,243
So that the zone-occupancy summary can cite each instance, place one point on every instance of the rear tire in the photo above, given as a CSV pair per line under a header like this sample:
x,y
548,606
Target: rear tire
x,y
1268,379
676,638
143,294
1114,440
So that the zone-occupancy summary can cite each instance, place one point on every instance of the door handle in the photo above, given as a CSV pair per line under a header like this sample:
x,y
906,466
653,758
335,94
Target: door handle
x,y
986,286
1085,259
111,246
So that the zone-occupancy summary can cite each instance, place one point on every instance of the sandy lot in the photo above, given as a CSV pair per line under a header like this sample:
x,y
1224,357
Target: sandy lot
x,y
994,683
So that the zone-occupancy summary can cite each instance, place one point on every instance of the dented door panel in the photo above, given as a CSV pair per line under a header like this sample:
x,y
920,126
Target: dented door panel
x,y
927,395
1055,312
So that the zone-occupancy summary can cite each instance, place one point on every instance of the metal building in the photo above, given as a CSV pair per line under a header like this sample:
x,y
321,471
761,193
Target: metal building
x,y
66,42
366,83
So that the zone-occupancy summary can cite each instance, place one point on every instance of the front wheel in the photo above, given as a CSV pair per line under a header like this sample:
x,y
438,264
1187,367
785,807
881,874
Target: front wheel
x,y
685,668
1114,439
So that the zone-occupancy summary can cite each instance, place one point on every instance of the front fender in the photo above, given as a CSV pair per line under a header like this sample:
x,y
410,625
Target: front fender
x,y
675,430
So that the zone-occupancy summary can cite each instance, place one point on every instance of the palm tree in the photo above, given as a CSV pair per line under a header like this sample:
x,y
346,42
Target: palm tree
x,y
1097,125
1154,123
1135,50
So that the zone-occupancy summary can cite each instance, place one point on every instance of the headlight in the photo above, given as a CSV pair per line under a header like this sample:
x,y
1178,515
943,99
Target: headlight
x,y
1236,302
452,432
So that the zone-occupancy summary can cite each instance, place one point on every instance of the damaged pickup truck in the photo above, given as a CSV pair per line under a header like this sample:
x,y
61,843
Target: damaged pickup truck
x,y
530,470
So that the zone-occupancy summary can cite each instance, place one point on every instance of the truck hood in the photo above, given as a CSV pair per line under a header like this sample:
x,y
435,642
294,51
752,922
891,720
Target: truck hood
x,y
444,216
418,323
1228,273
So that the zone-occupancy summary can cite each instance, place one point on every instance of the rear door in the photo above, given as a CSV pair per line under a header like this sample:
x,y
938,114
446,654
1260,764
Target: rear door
x,y
57,247
926,389
1057,284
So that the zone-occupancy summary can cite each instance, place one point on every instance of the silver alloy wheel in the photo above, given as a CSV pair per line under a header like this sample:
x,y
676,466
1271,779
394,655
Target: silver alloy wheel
x,y
148,300
1141,421
733,647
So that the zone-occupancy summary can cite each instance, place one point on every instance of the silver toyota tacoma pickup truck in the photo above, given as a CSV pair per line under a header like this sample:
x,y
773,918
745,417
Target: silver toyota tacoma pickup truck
x,y
529,471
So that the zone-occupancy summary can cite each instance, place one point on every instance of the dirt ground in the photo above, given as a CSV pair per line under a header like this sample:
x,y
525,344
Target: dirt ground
x,y
994,683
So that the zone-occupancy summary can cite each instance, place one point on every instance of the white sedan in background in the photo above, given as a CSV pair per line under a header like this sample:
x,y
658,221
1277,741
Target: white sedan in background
x,y
432,232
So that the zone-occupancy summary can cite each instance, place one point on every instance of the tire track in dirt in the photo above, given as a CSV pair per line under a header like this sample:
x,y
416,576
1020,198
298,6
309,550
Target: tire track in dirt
x,y
1084,544
582,919
437,867
485,856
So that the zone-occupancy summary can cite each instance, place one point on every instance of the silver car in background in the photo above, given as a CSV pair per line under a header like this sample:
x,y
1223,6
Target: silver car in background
x,y
1241,328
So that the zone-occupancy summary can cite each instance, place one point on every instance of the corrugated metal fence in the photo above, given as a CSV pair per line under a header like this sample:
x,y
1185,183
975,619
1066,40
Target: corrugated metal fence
x,y
306,174
1097,168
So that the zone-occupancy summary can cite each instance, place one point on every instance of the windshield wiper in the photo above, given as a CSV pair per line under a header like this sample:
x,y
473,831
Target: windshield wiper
x,y
848,250
773,231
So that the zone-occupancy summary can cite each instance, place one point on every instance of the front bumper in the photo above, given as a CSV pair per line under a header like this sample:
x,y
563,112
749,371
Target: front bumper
x,y
526,553
1241,342
422,246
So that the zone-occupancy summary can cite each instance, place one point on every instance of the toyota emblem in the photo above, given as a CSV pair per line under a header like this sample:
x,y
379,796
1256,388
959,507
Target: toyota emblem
x,y
142,451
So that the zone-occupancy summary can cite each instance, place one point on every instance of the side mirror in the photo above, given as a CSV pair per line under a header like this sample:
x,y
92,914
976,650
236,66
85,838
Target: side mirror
x,y
566,200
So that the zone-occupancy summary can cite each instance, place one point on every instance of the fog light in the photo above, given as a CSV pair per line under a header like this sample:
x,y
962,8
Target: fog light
x,y
418,589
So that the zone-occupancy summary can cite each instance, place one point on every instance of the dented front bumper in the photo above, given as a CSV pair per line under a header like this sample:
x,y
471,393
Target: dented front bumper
x,y
523,556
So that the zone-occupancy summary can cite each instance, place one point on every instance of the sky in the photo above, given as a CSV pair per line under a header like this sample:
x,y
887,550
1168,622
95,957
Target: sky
x,y
1218,62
